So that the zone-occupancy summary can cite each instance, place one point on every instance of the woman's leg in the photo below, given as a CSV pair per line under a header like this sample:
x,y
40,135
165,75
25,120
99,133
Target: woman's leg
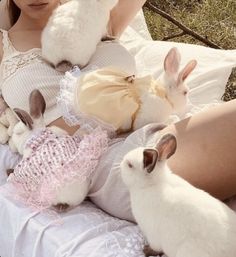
x,y
206,150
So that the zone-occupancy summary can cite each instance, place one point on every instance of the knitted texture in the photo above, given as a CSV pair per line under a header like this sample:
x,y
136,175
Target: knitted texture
x,y
54,162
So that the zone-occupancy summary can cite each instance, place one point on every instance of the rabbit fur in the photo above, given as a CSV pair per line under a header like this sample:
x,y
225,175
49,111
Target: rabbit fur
x,y
176,218
74,30
7,122
147,100
30,125
156,109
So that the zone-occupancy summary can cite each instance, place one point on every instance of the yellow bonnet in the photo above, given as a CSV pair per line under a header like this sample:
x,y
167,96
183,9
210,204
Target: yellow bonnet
x,y
107,95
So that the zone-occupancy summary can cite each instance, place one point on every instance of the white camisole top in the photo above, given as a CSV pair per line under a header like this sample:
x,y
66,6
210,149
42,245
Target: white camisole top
x,y
22,72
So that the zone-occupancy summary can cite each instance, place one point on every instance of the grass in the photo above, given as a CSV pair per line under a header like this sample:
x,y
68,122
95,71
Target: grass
x,y
214,19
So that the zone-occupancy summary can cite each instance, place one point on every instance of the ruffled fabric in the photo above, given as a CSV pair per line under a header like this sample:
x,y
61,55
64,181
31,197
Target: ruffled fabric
x,y
66,103
56,161
107,98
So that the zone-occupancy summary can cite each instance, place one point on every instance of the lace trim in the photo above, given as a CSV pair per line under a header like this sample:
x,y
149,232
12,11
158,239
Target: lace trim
x,y
11,65
73,117
7,46
118,238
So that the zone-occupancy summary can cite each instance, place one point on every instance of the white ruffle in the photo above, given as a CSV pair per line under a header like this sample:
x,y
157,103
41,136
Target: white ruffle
x,y
65,102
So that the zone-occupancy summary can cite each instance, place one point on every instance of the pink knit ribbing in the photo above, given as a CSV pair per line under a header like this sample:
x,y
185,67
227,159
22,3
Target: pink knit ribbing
x,y
54,162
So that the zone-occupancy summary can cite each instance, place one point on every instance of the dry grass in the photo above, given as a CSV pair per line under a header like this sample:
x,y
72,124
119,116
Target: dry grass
x,y
214,19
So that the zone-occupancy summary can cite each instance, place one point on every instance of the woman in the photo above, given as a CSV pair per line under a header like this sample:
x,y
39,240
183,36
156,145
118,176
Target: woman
x,y
204,156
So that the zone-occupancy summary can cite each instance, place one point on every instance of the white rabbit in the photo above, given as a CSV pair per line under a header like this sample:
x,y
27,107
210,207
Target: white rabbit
x,y
176,218
74,30
135,101
31,125
158,109
7,122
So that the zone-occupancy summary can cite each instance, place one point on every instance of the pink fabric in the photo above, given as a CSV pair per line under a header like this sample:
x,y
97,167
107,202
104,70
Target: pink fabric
x,y
54,162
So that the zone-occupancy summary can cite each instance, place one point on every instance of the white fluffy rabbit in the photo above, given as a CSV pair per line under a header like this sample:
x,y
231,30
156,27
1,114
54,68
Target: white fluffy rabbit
x,y
158,109
176,218
74,30
31,125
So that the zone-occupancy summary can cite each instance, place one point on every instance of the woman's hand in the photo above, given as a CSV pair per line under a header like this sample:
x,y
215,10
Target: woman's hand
x,y
122,14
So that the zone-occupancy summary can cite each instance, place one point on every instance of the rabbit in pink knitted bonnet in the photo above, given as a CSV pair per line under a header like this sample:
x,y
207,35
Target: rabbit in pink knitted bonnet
x,y
56,168
7,122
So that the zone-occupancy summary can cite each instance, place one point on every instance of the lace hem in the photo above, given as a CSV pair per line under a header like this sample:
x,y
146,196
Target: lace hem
x,y
73,117
19,61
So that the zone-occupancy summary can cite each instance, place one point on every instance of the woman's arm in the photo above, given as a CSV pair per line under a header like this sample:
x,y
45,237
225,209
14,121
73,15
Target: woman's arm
x,y
122,14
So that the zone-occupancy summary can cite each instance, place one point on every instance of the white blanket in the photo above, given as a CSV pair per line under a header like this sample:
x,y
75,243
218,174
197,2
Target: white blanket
x,y
87,231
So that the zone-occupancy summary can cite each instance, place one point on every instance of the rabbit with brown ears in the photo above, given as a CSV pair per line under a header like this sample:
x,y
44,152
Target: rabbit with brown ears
x,y
56,168
135,101
176,218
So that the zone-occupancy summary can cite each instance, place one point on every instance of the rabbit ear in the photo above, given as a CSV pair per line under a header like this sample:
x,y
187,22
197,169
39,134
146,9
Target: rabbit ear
x,y
24,117
166,147
172,61
149,159
37,104
186,71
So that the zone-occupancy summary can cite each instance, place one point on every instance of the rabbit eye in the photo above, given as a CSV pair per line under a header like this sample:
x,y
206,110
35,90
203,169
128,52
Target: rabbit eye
x,y
185,92
130,165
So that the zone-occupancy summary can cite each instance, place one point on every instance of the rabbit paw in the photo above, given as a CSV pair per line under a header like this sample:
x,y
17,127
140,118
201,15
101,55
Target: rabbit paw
x,y
63,66
108,38
61,207
9,172
147,250
4,139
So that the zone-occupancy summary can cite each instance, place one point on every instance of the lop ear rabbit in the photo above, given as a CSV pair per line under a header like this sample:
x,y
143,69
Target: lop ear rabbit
x,y
74,30
176,218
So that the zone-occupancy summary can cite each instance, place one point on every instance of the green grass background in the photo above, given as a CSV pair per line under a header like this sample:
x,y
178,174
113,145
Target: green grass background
x,y
214,19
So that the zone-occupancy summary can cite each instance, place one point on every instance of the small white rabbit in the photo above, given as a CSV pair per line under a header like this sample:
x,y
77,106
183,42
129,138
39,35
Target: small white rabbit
x,y
158,109
74,30
135,101
30,126
176,218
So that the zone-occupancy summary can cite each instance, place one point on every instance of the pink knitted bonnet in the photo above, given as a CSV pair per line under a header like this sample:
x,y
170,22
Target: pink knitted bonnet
x,y
54,162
